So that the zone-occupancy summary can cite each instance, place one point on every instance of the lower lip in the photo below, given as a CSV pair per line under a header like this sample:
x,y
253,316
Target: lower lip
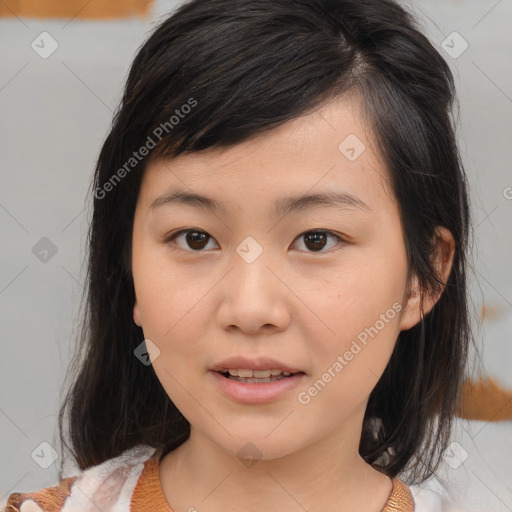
x,y
254,393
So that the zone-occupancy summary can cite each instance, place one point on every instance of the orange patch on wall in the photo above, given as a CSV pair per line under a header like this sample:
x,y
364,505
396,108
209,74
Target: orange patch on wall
x,y
485,401
77,9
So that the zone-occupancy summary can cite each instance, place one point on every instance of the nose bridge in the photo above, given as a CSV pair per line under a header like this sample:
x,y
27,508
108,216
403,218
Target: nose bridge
x,y
251,295
251,264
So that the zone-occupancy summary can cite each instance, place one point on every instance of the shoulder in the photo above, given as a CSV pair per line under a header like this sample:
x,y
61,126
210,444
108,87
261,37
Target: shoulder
x,y
107,486
50,498
430,497
473,473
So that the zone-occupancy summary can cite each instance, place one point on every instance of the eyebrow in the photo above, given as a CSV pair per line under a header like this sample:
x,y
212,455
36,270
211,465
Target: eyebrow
x,y
282,206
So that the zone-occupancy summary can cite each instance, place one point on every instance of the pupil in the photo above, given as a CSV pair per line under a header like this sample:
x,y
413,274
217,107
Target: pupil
x,y
318,239
192,241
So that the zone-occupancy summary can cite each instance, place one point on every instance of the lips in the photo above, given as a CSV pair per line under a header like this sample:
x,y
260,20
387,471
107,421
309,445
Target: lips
x,y
254,364
255,391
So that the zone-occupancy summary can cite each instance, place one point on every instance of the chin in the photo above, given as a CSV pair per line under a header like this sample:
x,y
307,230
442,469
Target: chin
x,y
251,448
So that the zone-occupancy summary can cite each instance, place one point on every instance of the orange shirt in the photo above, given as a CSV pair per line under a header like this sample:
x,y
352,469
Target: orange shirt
x,y
131,483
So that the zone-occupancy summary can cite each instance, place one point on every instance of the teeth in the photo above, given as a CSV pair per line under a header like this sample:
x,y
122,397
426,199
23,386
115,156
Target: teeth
x,y
258,374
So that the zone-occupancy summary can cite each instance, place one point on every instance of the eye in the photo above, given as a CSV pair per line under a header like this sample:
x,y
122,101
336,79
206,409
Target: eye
x,y
197,240
317,240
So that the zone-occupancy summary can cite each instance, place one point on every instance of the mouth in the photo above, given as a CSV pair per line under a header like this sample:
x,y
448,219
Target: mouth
x,y
256,376
254,387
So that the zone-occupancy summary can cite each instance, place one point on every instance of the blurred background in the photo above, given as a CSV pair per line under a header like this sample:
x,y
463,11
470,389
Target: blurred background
x,y
62,71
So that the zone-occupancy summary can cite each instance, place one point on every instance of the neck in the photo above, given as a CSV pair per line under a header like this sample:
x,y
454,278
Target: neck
x,y
328,474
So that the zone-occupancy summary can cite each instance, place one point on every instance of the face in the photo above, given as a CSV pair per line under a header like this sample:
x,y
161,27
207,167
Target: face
x,y
317,287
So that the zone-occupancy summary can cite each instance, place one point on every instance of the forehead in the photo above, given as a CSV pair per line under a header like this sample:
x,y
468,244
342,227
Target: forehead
x,y
330,149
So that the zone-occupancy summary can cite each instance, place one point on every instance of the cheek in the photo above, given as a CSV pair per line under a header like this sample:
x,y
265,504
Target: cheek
x,y
174,315
361,310
173,309
349,362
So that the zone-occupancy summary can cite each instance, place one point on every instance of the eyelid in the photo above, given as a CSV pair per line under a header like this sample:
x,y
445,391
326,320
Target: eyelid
x,y
340,239
175,234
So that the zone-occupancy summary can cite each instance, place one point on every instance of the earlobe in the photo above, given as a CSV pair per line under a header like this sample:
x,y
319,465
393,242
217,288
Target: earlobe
x,y
445,252
415,307
136,314
412,310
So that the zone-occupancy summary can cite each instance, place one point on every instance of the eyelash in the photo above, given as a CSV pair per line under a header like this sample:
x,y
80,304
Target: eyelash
x,y
171,238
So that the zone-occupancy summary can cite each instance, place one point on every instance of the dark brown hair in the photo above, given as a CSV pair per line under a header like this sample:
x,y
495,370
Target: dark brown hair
x,y
242,67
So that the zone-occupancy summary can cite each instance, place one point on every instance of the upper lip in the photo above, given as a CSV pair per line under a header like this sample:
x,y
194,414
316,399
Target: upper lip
x,y
259,363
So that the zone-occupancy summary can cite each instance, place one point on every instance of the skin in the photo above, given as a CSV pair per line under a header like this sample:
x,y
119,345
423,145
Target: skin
x,y
292,303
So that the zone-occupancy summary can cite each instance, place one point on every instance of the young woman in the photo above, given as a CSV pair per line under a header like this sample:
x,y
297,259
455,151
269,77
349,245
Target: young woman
x,y
276,309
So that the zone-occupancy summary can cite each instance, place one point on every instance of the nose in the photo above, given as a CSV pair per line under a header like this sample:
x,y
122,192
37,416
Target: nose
x,y
254,297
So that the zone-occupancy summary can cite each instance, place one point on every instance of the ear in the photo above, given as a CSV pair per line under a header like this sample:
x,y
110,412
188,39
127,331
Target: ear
x,y
443,260
137,317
